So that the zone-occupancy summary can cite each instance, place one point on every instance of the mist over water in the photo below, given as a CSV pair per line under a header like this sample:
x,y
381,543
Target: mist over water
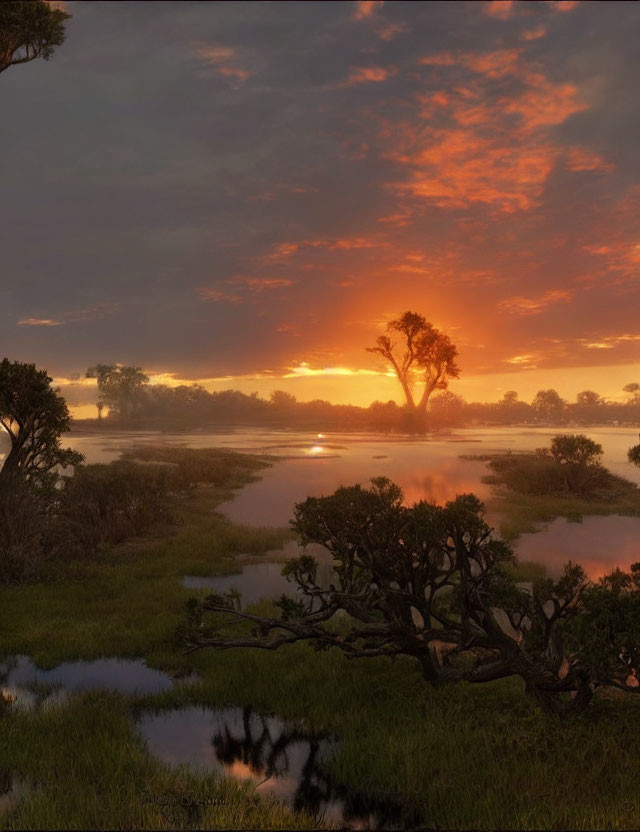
x,y
427,468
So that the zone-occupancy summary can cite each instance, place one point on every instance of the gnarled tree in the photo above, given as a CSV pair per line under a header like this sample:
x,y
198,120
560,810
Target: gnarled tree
x,y
430,582
29,30
34,417
424,355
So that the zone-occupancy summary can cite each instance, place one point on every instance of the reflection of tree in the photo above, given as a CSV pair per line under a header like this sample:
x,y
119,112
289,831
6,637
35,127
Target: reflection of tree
x,y
268,755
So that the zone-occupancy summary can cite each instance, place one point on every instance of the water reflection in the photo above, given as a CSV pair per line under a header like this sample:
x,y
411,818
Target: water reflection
x,y
281,760
29,686
598,544
257,581
11,789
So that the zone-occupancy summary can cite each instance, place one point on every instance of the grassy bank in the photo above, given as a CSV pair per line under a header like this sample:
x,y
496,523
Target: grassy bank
x,y
525,496
472,757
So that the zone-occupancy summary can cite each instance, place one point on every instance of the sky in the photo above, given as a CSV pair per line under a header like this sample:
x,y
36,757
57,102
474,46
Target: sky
x,y
244,194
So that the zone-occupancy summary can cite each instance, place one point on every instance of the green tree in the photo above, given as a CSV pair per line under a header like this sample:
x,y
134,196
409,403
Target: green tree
x,y
430,582
118,387
575,449
425,356
34,417
29,30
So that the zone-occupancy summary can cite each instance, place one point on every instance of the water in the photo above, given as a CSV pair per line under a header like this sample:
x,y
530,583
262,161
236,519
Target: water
x,y
426,468
22,681
280,759
12,788
599,544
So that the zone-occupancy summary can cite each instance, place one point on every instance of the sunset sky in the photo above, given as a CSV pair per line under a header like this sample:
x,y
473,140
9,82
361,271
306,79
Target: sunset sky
x,y
246,193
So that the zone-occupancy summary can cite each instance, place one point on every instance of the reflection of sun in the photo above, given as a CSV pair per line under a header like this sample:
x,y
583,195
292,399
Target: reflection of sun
x,y
316,449
321,436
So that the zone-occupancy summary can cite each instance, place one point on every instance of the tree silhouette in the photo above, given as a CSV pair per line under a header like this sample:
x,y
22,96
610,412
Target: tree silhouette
x,y
426,579
548,405
268,754
118,386
425,356
34,417
29,30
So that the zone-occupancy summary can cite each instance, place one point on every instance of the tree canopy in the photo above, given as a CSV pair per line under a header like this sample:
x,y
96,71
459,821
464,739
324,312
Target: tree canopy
x,y
29,30
118,386
432,582
634,455
424,355
34,417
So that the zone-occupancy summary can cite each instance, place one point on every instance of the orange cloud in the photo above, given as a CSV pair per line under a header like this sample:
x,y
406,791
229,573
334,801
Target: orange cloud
x,y
535,34
502,9
365,9
39,322
388,31
217,296
260,283
224,60
533,306
471,149
563,5
579,159
366,75
287,249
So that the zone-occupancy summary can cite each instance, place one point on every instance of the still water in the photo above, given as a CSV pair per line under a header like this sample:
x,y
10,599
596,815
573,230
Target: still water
x,y
280,759
28,685
428,468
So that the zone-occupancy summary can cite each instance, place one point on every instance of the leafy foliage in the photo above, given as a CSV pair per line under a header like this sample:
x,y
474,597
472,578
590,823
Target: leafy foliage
x,y
432,582
29,30
118,386
426,355
634,455
34,417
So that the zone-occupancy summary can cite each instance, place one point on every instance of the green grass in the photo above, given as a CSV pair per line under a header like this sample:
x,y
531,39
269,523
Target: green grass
x,y
526,494
480,757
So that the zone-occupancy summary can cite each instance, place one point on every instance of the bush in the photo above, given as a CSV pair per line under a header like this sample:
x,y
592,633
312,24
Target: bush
x,y
109,503
23,523
634,455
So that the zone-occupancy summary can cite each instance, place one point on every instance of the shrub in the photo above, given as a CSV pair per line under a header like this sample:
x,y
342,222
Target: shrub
x,y
109,503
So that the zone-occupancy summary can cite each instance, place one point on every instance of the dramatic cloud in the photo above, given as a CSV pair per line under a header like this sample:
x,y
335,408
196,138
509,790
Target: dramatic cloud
x,y
246,193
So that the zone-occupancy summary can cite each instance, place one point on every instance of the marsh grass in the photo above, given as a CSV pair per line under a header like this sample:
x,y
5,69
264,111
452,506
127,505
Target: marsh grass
x,y
462,756
528,494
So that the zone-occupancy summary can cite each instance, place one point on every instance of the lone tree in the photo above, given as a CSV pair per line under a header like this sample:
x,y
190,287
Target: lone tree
x,y
430,582
424,356
34,417
29,30
118,387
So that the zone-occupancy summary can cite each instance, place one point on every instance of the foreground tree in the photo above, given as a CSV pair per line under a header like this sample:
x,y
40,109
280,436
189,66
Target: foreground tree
x,y
430,582
118,387
29,30
34,417
423,355
634,455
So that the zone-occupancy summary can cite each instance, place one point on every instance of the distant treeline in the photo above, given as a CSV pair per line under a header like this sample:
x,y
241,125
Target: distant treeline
x,y
136,403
